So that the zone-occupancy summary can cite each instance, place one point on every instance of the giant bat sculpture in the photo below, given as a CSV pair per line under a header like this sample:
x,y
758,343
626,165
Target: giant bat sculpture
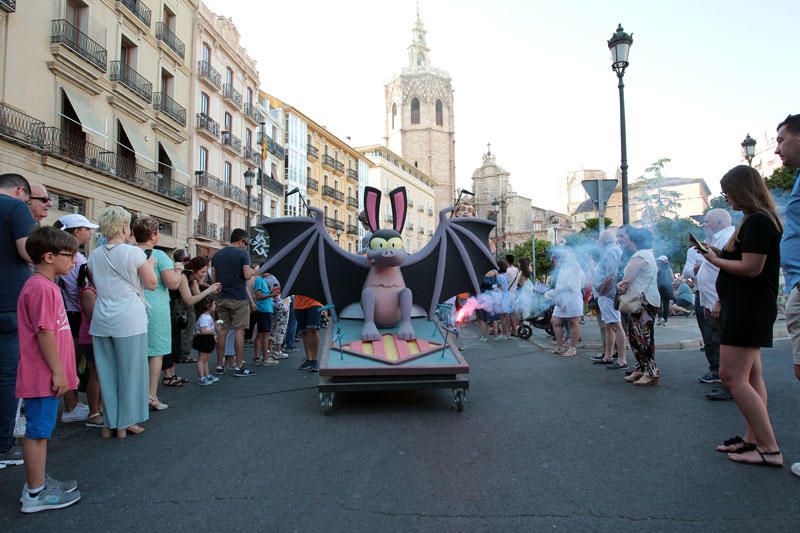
x,y
307,261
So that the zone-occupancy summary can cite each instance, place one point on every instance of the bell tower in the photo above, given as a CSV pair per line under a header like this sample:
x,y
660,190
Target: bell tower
x,y
419,117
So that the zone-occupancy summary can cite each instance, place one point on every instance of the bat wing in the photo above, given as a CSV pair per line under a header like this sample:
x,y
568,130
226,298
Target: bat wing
x,y
453,262
307,261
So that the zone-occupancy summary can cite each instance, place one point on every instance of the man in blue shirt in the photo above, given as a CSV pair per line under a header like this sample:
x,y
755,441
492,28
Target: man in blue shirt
x,y
789,151
16,223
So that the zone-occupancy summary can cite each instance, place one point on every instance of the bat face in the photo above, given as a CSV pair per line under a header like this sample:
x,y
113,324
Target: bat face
x,y
386,249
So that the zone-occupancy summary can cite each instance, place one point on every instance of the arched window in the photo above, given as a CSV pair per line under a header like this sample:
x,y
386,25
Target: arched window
x,y
439,113
415,110
394,114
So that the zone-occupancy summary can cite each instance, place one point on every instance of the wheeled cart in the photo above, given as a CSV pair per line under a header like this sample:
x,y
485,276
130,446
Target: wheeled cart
x,y
432,361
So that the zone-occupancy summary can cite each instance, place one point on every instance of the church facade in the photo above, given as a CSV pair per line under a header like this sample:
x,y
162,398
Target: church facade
x,y
419,115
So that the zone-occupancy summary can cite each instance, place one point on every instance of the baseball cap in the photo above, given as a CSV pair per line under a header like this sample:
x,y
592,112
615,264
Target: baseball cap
x,y
662,258
76,221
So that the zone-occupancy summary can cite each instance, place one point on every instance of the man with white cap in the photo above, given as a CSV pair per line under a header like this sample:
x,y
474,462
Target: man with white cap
x,y
81,228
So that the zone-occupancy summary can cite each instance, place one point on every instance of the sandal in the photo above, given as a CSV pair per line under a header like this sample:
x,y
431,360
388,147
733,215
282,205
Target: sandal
x,y
736,445
157,405
616,365
762,455
172,381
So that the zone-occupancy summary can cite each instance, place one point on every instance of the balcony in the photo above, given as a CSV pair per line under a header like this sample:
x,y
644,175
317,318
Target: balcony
x,y
163,103
430,211
141,11
275,148
352,174
421,208
352,201
410,226
352,229
338,166
207,125
251,154
9,6
312,184
328,161
334,224
313,152
410,202
273,185
209,74
204,180
232,95
231,142
134,81
165,35
330,192
421,230
65,33
203,228
76,150
20,127
251,112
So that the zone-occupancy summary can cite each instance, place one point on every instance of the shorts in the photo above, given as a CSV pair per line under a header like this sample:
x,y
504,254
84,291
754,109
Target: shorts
x,y
74,318
234,314
308,318
41,415
792,311
204,343
263,321
487,316
686,304
608,314
88,351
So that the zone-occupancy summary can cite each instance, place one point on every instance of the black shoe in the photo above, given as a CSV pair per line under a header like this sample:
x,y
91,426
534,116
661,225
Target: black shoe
x,y
306,365
314,366
719,395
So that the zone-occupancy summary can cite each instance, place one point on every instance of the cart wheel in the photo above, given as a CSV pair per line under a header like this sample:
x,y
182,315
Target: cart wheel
x,y
524,332
459,397
326,402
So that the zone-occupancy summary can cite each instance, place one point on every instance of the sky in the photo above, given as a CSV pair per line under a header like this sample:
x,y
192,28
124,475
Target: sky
x,y
534,78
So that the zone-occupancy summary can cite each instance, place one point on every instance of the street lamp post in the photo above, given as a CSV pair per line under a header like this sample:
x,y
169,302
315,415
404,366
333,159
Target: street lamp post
x,y
338,235
749,149
620,44
249,176
496,205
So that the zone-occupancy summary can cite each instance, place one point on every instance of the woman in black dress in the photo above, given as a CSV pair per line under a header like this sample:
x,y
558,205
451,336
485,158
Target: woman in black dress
x,y
748,289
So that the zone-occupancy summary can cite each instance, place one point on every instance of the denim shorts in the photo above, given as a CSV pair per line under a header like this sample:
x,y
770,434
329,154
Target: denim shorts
x,y
308,318
41,415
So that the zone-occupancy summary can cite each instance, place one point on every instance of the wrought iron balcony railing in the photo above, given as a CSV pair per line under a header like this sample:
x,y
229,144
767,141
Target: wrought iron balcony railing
x,y
332,193
229,93
141,11
352,229
252,112
334,224
338,166
21,127
328,161
312,184
204,228
352,173
275,148
9,6
204,122
162,102
132,80
164,34
63,32
231,141
253,155
352,201
313,151
209,73
220,188
273,185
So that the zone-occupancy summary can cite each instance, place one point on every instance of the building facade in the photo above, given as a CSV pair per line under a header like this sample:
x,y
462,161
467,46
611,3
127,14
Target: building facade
x,y
419,119
390,171
271,179
93,104
225,123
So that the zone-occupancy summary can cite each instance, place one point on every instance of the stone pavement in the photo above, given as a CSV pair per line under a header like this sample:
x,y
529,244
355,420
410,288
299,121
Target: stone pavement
x,y
680,333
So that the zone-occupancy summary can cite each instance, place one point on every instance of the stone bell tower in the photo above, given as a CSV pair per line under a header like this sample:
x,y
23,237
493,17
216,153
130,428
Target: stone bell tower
x,y
419,117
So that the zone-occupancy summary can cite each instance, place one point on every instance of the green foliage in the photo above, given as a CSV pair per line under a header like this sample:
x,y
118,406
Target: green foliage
x,y
782,178
719,202
656,201
591,225
671,238
543,263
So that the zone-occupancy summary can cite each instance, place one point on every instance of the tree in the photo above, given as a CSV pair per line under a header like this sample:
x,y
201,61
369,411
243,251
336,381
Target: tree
x,y
782,178
671,238
657,202
591,225
543,263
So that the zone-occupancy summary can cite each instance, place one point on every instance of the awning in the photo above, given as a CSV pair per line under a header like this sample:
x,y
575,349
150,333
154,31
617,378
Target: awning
x,y
136,139
90,122
177,163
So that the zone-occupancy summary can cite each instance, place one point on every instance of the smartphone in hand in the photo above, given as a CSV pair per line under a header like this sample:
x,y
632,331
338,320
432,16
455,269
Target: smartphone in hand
x,y
699,245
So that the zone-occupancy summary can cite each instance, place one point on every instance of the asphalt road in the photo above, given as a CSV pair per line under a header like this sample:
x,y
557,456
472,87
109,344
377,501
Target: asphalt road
x,y
544,442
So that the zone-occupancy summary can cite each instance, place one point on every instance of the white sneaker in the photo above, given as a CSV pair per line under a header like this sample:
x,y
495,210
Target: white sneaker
x,y
280,355
270,361
79,414
52,497
213,378
796,469
484,338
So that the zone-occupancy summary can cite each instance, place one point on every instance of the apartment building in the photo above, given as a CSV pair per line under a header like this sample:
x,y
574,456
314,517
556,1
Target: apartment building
x,y
390,171
273,154
226,121
322,171
93,100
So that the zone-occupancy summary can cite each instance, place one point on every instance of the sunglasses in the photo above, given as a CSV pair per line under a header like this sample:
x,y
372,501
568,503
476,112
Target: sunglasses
x,y
43,199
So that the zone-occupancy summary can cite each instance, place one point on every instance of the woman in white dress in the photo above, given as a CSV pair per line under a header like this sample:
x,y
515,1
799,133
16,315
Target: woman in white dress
x,y
568,301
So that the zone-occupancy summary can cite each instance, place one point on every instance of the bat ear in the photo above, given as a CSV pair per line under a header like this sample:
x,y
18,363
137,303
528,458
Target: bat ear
x,y
372,204
399,208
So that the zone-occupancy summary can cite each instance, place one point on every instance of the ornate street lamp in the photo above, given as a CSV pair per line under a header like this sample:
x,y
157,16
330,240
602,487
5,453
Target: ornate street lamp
x,y
749,149
249,177
620,44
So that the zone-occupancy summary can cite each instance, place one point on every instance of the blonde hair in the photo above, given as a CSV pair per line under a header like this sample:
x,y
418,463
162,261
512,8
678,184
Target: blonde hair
x,y
747,189
112,221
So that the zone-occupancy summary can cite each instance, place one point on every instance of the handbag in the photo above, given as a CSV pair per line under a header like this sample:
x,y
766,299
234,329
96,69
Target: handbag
x,y
629,303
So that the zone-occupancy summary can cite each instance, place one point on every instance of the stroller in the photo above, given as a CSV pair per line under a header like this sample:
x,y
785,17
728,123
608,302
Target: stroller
x,y
538,321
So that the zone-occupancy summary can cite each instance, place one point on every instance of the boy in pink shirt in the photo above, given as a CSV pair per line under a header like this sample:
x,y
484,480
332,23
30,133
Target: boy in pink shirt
x,y
46,364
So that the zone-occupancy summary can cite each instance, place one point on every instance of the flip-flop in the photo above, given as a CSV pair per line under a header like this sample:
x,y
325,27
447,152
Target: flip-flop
x,y
616,366
761,454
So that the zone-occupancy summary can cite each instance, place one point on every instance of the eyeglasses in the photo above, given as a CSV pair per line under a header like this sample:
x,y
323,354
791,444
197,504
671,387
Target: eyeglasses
x,y
724,194
67,254
43,199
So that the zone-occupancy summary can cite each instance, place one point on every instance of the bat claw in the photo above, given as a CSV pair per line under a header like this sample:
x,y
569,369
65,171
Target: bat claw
x,y
369,332
406,332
